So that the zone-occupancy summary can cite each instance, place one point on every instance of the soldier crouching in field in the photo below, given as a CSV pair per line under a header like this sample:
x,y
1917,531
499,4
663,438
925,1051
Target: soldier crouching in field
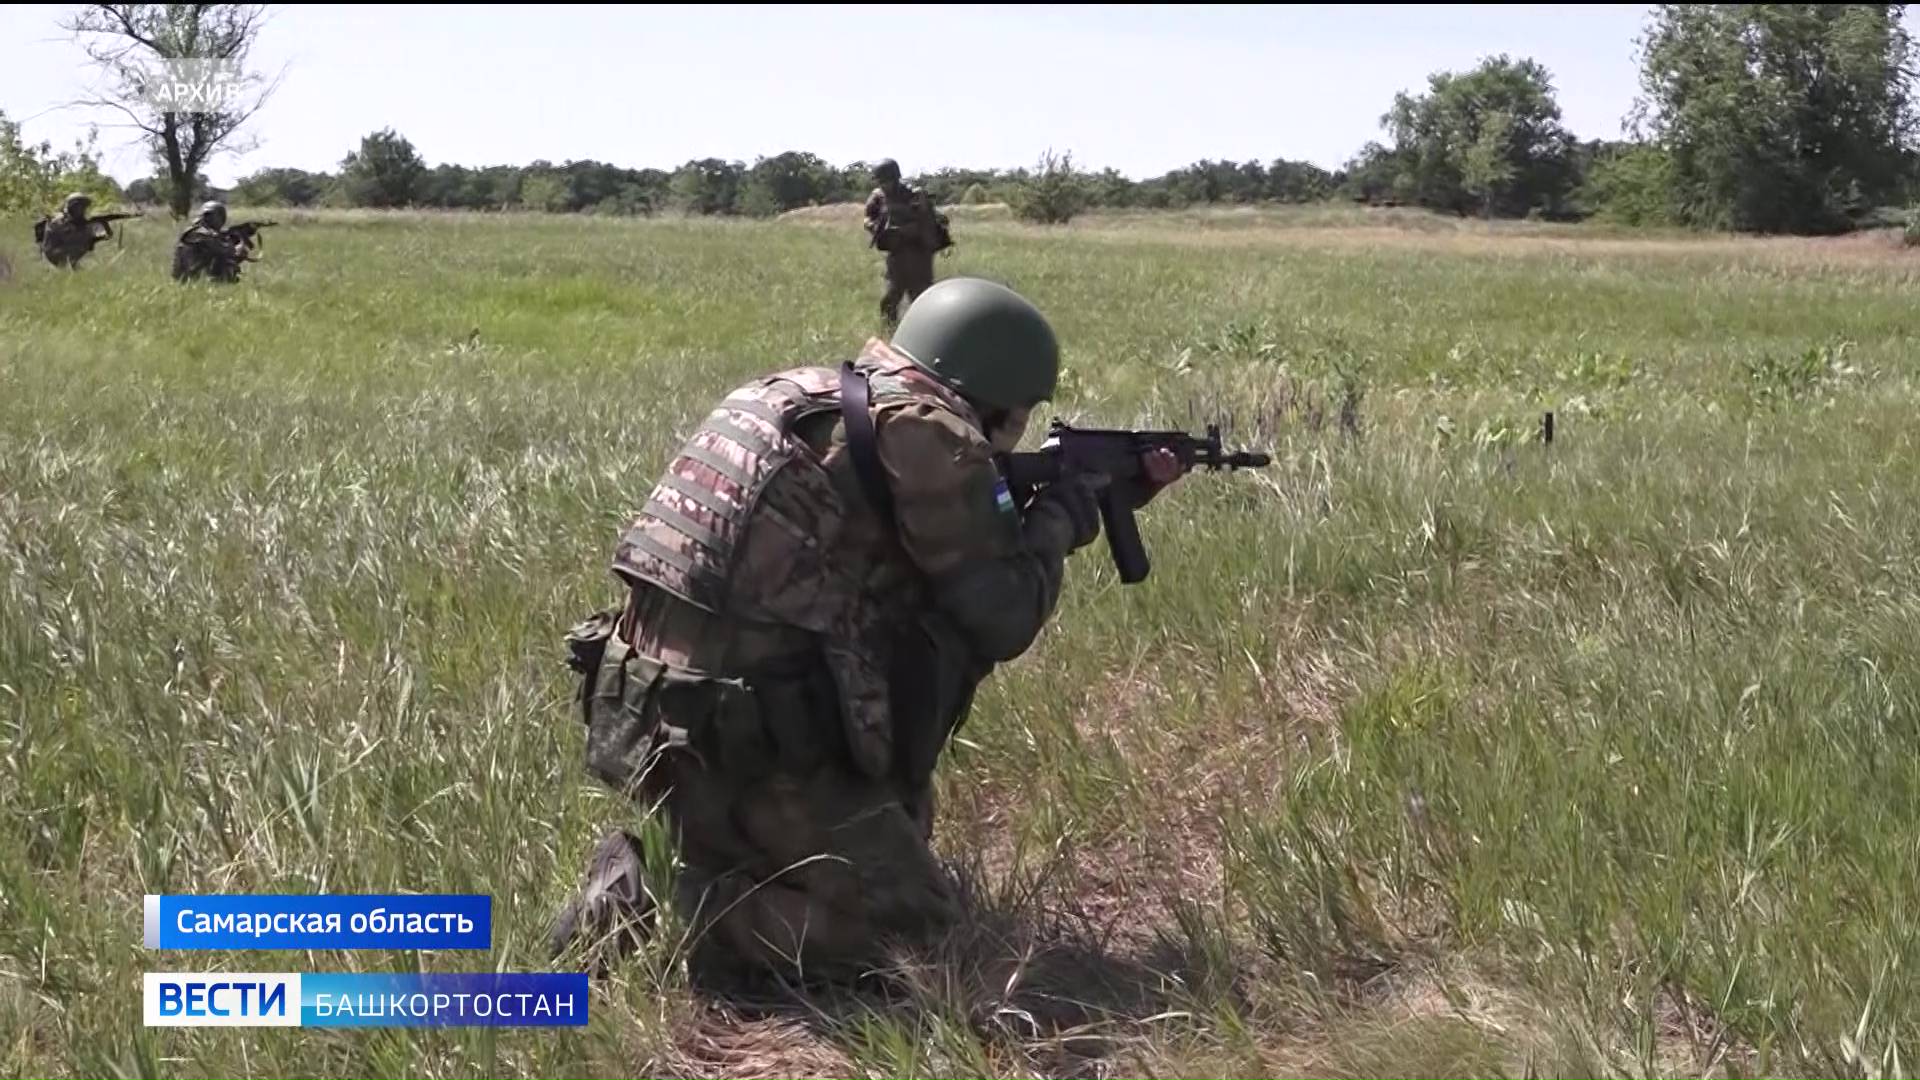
x,y
825,573
902,222
207,249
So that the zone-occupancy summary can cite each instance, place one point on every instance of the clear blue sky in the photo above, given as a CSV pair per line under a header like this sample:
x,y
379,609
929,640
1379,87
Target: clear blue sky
x,y
1141,89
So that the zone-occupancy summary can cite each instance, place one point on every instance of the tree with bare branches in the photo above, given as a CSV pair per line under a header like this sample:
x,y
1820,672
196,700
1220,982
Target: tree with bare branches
x,y
132,43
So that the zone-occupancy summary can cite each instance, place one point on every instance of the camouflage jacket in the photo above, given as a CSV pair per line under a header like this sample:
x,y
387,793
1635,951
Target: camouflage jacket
x,y
758,554
209,251
64,240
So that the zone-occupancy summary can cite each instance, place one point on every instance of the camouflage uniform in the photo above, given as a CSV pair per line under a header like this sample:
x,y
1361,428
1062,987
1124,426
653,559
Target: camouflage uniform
x,y
790,665
206,251
903,224
209,248
69,236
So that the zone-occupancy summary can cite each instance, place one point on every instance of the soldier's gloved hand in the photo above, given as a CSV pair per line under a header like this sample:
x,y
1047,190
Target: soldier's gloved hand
x,y
1066,515
1159,468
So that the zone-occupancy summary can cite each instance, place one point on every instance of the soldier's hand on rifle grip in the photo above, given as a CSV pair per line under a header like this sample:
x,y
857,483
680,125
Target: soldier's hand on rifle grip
x,y
1076,501
1159,468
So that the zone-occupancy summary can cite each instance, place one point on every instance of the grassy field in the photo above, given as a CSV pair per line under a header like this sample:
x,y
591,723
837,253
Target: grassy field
x,y
1430,750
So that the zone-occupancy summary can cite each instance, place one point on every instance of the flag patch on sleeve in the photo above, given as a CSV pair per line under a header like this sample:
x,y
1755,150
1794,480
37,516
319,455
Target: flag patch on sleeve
x,y
1002,498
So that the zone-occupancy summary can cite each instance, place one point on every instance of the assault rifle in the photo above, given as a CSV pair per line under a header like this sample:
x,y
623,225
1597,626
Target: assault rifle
x,y
104,220
249,231
1116,455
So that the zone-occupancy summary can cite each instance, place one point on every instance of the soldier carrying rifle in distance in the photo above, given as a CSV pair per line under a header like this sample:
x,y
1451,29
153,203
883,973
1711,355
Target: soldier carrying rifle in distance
x,y
69,236
902,221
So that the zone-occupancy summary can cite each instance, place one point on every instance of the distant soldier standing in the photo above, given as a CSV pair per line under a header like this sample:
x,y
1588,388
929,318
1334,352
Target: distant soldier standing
x,y
69,236
208,249
902,222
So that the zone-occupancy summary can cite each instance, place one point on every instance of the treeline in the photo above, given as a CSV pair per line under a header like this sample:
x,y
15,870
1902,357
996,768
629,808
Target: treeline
x,y
1753,117
388,172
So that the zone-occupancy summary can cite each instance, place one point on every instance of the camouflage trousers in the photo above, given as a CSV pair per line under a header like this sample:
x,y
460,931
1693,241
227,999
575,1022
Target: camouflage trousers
x,y
195,260
794,863
909,273
799,878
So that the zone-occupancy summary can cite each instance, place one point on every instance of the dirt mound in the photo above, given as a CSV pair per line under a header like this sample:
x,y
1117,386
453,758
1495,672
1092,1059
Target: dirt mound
x,y
840,211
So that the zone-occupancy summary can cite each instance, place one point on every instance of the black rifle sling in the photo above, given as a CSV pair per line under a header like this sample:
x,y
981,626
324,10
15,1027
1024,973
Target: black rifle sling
x,y
863,443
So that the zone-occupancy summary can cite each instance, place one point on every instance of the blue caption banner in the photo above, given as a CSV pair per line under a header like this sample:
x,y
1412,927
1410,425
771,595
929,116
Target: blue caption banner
x,y
319,922
498,1000
199,999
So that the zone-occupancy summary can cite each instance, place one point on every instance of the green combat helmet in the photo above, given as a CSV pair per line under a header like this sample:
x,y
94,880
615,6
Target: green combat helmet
x,y
887,172
984,340
77,204
214,214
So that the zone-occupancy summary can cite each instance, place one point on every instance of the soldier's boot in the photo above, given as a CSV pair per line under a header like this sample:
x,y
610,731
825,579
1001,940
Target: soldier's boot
x,y
613,913
752,935
890,305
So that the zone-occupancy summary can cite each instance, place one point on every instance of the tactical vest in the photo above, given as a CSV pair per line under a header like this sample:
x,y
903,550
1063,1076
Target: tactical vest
x,y
910,214
908,209
747,523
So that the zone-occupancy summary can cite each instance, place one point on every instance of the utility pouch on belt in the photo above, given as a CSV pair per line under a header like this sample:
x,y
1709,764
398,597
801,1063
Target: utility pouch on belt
x,y
587,646
638,707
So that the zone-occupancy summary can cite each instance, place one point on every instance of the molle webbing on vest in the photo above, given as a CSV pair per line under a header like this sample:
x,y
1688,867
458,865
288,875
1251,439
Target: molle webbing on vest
x,y
750,524
756,408
688,525
727,469
686,537
708,498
